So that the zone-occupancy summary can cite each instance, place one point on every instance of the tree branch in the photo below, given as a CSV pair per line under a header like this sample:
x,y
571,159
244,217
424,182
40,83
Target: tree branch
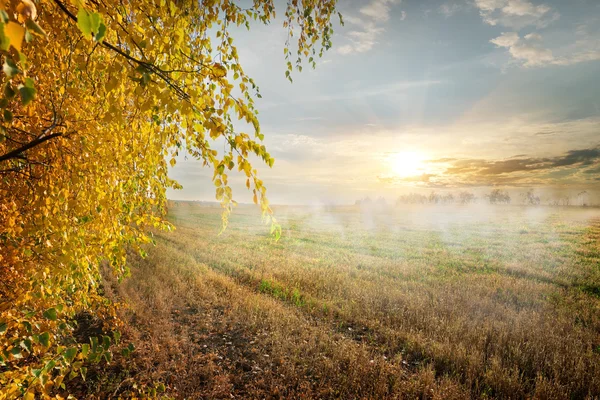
x,y
149,66
16,153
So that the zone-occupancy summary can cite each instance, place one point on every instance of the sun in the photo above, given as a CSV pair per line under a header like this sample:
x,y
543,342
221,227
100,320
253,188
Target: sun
x,y
407,163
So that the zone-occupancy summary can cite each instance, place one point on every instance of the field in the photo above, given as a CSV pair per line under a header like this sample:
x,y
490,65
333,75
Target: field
x,y
413,302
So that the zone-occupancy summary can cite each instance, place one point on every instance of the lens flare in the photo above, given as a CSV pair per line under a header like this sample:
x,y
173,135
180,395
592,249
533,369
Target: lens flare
x,y
407,163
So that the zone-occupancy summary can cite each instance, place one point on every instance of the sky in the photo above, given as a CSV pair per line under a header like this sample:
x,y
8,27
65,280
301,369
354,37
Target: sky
x,y
422,95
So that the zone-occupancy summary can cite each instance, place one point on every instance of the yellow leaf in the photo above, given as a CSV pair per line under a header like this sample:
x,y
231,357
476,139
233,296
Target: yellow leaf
x,y
15,34
218,70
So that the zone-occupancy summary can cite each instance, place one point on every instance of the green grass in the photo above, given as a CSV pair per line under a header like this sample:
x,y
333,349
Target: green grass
x,y
429,302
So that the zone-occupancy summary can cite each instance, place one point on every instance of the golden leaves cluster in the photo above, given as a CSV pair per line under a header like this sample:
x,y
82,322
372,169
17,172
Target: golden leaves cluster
x,y
98,99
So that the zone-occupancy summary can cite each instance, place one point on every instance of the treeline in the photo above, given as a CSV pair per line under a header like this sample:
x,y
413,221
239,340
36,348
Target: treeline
x,y
495,196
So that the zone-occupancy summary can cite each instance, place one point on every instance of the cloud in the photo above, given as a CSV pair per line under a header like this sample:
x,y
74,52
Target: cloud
x,y
519,170
573,168
516,14
533,36
378,10
511,165
529,52
585,48
362,41
368,25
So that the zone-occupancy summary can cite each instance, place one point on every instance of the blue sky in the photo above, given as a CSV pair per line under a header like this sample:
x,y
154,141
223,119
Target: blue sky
x,y
415,90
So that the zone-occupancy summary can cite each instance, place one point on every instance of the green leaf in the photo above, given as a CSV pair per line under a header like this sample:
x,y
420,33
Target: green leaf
x,y
44,339
85,349
94,21
4,40
8,117
117,336
83,372
10,68
50,314
94,357
49,365
36,372
16,352
94,342
84,22
35,28
27,94
26,344
3,327
106,342
101,32
70,354
9,92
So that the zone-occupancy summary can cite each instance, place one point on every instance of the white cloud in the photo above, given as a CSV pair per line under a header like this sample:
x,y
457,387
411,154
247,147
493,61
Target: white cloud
x,y
378,10
582,51
516,14
533,36
508,39
346,49
526,50
368,25
364,40
530,53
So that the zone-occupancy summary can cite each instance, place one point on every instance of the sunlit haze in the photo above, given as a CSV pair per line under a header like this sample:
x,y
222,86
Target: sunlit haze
x,y
418,96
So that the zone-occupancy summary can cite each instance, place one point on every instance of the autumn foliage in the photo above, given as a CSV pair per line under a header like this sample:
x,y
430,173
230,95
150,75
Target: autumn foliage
x,y
98,98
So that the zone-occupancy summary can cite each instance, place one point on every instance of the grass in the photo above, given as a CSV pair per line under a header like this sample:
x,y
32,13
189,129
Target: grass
x,y
417,302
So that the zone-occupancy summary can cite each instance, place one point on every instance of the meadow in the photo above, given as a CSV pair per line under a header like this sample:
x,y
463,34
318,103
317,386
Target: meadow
x,y
412,302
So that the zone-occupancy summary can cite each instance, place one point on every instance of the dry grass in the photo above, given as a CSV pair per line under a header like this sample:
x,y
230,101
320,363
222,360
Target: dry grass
x,y
414,303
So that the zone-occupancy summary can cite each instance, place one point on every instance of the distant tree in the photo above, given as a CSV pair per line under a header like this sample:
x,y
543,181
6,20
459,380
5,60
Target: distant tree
x,y
583,198
448,198
498,196
411,198
530,199
434,198
466,197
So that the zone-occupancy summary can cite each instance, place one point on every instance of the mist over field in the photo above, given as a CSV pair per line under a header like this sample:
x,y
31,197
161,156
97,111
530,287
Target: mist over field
x,y
423,301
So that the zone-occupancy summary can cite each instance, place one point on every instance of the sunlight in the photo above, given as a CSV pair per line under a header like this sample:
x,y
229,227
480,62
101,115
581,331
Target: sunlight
x,y
407,163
